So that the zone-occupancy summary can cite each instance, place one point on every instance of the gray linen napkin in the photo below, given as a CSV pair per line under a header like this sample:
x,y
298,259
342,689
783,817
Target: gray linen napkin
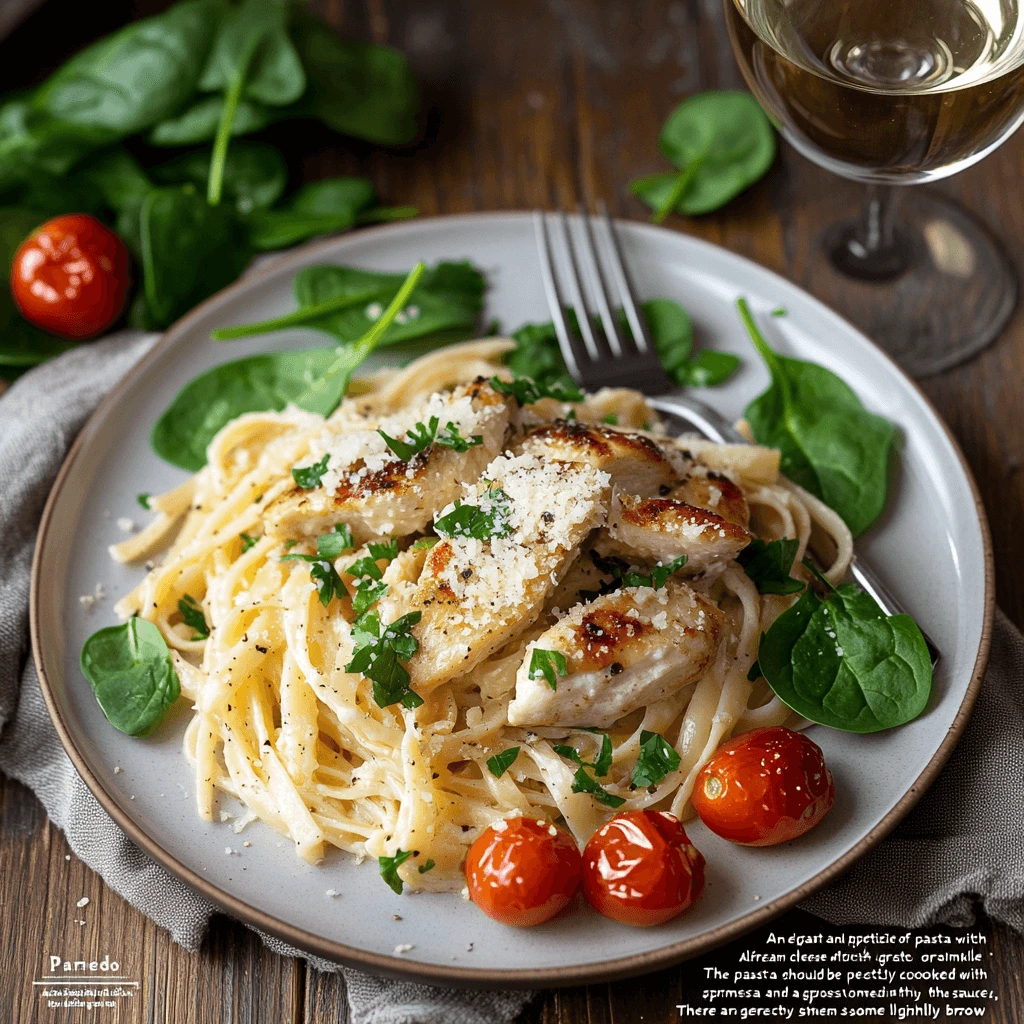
x,y
961,845
39,418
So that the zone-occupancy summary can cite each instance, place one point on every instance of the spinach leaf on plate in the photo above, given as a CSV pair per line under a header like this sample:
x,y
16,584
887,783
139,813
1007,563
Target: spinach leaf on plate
x,y
830,444
198,122
131,673
844,663
189,251
769,565
446,303
312,379
537,355
721,143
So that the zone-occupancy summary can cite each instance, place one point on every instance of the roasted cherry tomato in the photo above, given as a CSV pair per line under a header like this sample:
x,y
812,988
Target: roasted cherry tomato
x,y
764,787
640,868
523,871
70,276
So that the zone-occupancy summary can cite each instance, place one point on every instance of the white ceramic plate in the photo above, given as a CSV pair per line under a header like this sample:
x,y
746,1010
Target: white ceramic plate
x,y
931,547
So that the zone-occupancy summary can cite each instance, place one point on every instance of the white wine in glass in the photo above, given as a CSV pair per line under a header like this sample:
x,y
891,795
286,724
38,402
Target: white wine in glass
x,y
896,92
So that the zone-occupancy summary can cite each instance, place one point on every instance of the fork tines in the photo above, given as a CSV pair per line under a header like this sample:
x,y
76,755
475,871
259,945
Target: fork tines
x,y
619,355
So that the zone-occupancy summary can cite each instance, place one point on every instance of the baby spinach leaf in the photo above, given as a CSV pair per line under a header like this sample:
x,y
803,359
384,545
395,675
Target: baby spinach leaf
x,y
255,384
128,81
844,663
769,565
124,186
320,208
721,142
189,251
500,763
199,122
130,670
348,302
251,55
357,89
254,177
537,355
657,758
830,444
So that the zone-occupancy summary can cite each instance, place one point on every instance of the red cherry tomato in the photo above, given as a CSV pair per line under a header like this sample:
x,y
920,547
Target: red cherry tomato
x,y
70,276
523,871
764,787
639,868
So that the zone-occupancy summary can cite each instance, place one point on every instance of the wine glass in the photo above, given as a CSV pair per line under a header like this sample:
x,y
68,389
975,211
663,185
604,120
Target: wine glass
x,y
893,93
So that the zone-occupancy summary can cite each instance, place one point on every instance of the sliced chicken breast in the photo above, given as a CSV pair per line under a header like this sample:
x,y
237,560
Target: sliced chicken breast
x,y
375,493
707,489
635,463
661,529
476,592
623,651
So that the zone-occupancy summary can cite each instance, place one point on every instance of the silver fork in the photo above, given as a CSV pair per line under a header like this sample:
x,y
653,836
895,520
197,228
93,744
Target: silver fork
x,y
627,359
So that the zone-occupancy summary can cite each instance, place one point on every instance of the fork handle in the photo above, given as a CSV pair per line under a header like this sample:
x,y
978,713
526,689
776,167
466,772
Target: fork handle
x,y
714,426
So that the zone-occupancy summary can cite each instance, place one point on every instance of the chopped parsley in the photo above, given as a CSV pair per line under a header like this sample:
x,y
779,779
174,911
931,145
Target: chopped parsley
x,y
423,435
657,758
769,565
331,545
779,311
611,419
247,541
308,477
192,616
379,653
143,500
389,869
490,519
549,664
604,759
624,575
429,866
424,542
323,573
370,588
527,391
583,783
500,763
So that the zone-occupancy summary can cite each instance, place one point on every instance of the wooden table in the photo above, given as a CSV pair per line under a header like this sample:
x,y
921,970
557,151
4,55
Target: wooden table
x,y
531,103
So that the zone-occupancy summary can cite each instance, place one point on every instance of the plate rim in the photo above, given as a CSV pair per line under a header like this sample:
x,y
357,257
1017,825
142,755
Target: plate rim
x,y
612,969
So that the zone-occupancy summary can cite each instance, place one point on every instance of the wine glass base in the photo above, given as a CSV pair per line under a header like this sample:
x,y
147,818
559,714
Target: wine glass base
x,y
935,296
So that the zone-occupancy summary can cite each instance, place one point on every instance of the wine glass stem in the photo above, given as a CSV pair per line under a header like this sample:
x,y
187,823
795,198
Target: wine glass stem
x,y
875,247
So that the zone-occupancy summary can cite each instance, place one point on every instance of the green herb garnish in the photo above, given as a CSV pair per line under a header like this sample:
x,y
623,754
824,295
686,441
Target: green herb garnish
x,y
192,616
527,391
379,653
308,477
143,500
500,763
486,521
389,869
429,866
604,759
332,545
583,783
549,665
247,541
657,758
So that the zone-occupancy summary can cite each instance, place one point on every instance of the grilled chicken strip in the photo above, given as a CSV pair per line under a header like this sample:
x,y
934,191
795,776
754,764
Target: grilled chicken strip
x,y
706,489
623,651
661,529
374,492
635,463
477,592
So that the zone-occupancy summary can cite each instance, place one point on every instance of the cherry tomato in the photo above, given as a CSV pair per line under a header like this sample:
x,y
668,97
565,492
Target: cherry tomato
x,y
70,276
639,868
764,787
522,871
